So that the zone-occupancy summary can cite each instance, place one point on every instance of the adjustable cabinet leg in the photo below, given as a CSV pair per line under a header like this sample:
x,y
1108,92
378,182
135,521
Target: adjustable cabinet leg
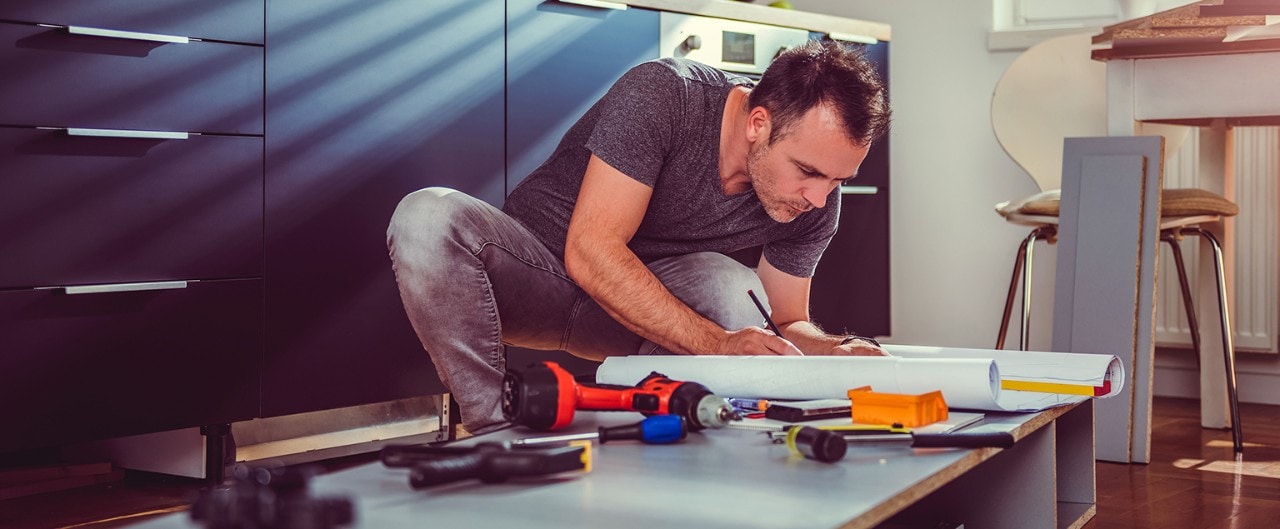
x,y
219,451
455,419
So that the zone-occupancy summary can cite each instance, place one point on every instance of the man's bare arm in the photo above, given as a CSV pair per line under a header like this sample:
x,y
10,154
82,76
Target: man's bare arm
x,y
789,304
608,212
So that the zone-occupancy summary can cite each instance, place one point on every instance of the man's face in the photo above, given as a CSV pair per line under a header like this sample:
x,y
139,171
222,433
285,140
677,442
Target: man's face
x,y
798,172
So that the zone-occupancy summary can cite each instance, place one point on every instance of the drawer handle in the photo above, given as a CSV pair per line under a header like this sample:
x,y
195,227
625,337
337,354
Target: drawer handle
x,y
130,35
126,287
119,133
859,190
602,4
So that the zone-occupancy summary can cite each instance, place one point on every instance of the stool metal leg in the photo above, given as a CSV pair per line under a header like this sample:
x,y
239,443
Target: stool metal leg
x,y
1228,348
1022,267
1013,289
1171,237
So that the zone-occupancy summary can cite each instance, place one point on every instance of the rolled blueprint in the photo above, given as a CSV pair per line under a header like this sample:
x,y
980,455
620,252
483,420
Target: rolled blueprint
x,y
965,382
978,379
1060,378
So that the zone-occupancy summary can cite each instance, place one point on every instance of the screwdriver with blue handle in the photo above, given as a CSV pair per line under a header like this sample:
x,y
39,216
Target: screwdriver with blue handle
x,y
658,429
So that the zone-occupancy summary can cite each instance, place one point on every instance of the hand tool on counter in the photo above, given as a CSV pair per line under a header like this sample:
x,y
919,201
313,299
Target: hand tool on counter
x,y
487,462
659,429
821,445
544,397
896,433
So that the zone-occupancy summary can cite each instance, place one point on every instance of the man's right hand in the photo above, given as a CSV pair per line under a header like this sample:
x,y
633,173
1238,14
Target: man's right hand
x,y
756,341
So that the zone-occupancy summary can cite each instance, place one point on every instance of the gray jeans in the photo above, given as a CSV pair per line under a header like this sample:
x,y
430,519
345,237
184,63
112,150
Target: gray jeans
x,y
473,279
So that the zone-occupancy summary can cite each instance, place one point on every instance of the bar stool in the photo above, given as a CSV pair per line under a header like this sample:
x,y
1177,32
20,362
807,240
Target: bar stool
x,y
1053,91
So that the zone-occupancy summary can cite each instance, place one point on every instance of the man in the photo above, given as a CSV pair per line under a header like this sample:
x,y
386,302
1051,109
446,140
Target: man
x,y
615,245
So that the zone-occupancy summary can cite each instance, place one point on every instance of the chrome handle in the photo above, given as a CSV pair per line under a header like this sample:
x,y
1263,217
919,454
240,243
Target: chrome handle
x,y
859,190
130,35
602,4
126,287
119,133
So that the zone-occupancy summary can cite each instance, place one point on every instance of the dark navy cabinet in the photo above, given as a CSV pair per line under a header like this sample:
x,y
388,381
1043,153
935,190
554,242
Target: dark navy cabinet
x,y
850,289
131,189
366,101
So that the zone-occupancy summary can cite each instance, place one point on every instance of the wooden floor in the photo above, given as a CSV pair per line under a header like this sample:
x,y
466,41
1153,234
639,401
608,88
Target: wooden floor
x,y
1193,482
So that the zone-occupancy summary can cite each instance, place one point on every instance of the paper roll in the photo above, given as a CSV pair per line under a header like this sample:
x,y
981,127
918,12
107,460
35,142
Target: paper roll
x,y
964,382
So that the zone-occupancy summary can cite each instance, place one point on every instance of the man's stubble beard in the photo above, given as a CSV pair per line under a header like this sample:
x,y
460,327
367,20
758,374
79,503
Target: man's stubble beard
x,y
776,207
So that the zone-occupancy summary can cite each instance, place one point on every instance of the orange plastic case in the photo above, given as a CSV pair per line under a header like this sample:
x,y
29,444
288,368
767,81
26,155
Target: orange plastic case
x,y
910,411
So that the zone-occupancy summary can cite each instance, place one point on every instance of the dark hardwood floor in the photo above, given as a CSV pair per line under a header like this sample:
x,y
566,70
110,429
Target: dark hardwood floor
x,y
1192,482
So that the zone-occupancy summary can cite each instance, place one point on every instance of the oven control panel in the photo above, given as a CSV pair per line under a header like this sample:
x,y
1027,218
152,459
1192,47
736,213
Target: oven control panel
x,y
731,45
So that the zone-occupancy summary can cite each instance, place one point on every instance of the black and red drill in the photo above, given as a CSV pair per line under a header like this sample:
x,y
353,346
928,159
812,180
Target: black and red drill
x,y
545,396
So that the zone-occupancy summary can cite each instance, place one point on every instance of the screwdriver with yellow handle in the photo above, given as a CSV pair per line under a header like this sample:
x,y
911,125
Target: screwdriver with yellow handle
x,y
829,443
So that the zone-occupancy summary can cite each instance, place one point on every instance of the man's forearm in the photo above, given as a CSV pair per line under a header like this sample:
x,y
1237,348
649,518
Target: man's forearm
x,y
631,294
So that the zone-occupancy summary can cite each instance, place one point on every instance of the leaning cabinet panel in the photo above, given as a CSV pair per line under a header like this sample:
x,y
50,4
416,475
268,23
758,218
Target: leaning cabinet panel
x,y
130,216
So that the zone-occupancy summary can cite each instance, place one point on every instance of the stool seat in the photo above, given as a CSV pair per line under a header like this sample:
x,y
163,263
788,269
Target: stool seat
x,y
1178,207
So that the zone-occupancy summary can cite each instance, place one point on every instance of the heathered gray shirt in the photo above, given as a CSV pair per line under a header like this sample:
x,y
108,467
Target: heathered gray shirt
x,y
660,124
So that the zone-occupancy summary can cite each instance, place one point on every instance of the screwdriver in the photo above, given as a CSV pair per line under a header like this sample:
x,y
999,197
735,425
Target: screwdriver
x,y
658,429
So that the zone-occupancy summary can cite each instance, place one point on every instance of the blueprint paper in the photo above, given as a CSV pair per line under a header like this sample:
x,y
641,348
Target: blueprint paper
x,y
968,378
965,382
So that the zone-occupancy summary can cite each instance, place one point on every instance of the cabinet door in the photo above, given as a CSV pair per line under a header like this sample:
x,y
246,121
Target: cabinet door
x,y
366,102
561,58
228,20
58,79
75,367
851,286
78,210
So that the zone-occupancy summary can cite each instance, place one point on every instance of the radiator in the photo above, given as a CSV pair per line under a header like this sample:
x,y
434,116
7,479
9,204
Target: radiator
x,y
1254,316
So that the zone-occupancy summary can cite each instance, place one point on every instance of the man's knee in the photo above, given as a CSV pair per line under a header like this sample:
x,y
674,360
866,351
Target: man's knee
x,y
427,215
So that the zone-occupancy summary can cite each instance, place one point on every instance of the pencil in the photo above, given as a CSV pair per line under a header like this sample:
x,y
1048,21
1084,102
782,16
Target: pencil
x,y
773,327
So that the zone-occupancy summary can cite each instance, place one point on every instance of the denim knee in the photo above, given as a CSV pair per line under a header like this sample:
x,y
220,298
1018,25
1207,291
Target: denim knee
x,y
425,216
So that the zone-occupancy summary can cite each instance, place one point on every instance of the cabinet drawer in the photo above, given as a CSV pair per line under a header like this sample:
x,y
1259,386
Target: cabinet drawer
x,y
76,210
57,79
232,20
86,366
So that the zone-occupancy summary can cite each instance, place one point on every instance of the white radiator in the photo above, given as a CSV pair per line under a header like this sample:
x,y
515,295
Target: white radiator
x,y
1255,315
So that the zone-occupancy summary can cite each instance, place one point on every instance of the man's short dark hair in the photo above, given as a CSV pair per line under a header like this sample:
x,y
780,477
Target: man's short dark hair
x,y
824,72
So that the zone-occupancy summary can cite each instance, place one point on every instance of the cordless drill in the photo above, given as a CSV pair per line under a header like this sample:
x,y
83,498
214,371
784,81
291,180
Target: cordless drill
x,y
544,397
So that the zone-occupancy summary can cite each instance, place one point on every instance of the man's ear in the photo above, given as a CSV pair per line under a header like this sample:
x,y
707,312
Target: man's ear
x,y
759,125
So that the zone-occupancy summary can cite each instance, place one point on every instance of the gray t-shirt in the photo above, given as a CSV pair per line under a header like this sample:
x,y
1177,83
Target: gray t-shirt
x,y
660,124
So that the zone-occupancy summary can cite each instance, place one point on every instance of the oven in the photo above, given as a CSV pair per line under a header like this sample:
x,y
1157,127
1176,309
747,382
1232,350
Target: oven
x,y
744,48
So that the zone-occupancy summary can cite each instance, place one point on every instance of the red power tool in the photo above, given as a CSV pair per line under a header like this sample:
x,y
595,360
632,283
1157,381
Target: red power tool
x,y
545,395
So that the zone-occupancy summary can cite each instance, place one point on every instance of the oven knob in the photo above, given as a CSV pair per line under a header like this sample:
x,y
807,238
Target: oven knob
x,y
692,42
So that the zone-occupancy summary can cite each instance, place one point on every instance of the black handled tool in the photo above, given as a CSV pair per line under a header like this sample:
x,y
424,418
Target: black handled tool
x,y
487,462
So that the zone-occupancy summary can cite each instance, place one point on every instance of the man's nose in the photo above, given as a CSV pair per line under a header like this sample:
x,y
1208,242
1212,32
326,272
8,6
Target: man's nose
x,y
815,196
